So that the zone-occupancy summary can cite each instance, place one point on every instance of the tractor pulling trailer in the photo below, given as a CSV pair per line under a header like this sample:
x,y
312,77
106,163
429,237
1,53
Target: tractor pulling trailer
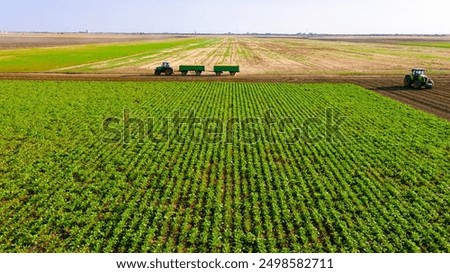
x,y
166,69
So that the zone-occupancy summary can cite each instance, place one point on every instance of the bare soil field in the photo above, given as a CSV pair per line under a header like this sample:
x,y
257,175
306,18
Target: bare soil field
x,y
27,40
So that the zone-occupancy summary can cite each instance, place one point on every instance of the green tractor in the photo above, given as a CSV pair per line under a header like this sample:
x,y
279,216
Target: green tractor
x,y
164,68
417,79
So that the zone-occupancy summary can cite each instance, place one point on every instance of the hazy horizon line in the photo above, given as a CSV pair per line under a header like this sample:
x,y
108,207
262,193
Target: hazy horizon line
x,y
228,33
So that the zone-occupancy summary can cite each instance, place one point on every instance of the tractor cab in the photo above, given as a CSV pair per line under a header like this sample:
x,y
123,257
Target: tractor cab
x,y
165,64
416,72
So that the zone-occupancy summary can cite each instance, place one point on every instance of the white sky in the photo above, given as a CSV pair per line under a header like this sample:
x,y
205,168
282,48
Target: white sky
x,y
238,16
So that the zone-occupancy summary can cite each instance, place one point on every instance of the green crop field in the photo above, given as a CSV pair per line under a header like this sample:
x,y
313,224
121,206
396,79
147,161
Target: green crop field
x,y
219,167
45,59
428,44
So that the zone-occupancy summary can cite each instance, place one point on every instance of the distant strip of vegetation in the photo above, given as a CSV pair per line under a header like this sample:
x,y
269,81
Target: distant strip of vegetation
x,y
45,59
428,44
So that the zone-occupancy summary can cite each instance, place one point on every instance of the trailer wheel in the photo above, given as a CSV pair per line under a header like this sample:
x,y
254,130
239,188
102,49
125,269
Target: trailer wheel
x,y
233,73
184,73
198,73
218,73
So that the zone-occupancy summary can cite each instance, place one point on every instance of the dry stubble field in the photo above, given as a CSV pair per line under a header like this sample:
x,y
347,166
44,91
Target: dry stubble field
x,y
283,56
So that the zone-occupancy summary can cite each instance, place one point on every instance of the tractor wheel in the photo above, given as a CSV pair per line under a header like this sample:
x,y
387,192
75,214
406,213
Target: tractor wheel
x,y
157,73
169,71
232,73
417,84
184,73
407,81
429,85
198,73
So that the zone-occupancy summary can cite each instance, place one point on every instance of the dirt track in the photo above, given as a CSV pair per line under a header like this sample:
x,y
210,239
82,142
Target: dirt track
x,y
435,101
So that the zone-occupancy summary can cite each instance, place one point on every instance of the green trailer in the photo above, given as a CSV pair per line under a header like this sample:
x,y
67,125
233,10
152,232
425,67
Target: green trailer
x,y
219,69
198,69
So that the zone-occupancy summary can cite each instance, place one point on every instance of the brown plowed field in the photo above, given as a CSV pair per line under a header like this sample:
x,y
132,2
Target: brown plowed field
x,y
435,101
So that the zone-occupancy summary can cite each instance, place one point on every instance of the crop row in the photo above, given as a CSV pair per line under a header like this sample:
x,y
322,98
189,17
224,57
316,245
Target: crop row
x,y
364,174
